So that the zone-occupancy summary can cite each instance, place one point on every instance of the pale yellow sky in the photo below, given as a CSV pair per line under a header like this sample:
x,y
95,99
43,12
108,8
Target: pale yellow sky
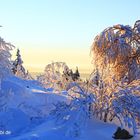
x,y
35,59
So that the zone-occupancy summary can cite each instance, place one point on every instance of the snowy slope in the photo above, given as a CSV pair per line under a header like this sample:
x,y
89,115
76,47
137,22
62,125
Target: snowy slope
x,y
25,114
48,130
25,104
29,97
94,130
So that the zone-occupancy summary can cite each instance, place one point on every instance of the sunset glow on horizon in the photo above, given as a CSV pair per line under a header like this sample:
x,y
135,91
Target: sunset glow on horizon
x,y
35,59
47,31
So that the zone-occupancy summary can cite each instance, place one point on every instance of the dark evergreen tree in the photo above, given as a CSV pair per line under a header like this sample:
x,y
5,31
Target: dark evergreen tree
x,y
18,68
18,61
77,74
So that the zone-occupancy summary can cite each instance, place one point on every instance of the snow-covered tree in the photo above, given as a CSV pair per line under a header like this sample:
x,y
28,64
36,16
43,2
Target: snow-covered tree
x,y
5,58
18,68
57,75
116,51
116,55
52,76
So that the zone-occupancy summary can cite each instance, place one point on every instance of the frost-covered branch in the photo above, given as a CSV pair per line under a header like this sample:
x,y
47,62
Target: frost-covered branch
x,y
74,114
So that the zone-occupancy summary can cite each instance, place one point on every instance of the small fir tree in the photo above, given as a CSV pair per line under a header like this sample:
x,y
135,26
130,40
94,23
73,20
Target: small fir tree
x,y
18,68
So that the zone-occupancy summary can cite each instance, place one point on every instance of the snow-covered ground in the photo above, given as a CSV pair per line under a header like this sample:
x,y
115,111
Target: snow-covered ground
x,y
24,115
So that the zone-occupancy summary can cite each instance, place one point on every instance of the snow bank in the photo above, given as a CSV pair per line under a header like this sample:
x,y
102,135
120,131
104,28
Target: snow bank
x,y
25,105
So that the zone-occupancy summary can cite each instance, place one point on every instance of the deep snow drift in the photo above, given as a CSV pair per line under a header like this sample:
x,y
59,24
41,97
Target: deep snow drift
x,y
24,115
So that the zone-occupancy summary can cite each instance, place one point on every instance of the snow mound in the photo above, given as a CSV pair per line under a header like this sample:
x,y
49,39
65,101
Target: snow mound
x,y
24,105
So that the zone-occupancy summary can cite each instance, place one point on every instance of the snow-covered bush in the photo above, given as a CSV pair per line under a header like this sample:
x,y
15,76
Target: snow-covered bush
x,y
118,100
126,106
58,75
103,94
75,114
